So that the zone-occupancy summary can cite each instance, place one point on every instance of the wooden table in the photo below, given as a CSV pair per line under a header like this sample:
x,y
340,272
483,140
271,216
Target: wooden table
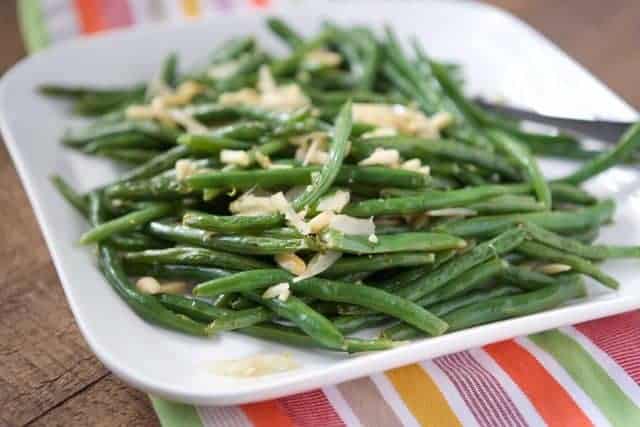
x,y
48,375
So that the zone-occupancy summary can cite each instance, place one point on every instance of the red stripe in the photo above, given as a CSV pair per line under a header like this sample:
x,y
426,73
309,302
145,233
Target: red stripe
x,y
116,13
267,414
480,390
550,399
311,409
89,15
619,337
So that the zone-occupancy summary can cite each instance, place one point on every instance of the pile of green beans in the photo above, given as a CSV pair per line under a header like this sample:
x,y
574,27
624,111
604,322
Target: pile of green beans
x,y
481,236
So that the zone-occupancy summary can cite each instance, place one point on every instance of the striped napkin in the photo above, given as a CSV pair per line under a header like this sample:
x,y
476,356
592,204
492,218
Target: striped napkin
x,y
588,374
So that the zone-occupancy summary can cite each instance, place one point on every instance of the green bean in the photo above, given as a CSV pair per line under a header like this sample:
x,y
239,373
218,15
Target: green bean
x,y
321,182
595,252
468,280
157,188
203,143
428,242
129,155
231,49
495,247
70,195
145,306
426,149
274,178
429,200
537,250
289,64
515,305
219,319
372,298
135,241
402,331
174,271
373,263
123,141
194,257
558,221
156,165
241,319
242,282
126,222
350,324
521,156
253,318
628,143
252,245
304,317
285,32
288,335
231,224
198,310
568,193
144,128
508,203
525,278
169,70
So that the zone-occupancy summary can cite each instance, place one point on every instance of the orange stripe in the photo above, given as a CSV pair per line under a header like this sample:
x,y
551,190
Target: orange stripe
x,y
422,396
191,8
91,21
267,414
551,400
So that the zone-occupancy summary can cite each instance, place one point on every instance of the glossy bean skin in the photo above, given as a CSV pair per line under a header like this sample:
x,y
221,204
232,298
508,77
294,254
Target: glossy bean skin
x,y
374,299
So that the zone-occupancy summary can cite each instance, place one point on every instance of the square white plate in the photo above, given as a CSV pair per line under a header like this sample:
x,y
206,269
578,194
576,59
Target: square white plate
x,y
501,56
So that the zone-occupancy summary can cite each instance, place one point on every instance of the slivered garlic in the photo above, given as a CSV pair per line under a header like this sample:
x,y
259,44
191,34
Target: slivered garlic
x,y
380,132
235,157
452,212
373,238
251,205
293,218
334,202
553,268
320,221
319,263
316,154
322,58
184,169
382,157
405,120
291,262
187,121
161,108
266,82
246,96
269,95
223,70
263,160
255,366
280,291
351,225
151,286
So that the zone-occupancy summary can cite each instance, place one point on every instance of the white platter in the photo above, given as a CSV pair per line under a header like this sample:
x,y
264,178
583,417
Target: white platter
x,y
502,57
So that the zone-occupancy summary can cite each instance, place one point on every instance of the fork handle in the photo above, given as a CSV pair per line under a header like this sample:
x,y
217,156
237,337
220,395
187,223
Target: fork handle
x,y
603,130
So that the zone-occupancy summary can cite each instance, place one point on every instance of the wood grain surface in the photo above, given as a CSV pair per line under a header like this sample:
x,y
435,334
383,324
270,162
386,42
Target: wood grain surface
x,y
48,375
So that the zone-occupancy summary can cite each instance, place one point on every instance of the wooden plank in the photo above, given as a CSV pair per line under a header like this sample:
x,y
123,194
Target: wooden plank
x,y
108,403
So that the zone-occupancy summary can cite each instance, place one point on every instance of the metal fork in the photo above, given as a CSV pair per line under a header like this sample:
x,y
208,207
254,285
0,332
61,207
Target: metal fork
x,y
603,130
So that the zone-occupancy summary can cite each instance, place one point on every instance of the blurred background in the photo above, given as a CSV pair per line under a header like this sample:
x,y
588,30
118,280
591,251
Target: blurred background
x,y
48,375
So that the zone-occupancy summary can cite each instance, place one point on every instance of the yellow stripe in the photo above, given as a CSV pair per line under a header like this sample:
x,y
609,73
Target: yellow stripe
x,y
191,8
422,397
